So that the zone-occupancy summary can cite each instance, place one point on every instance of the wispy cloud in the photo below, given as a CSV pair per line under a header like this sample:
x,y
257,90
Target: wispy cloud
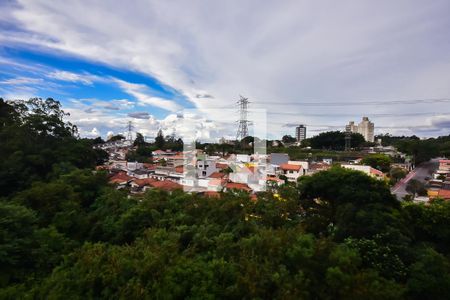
x,y
142,94
282,52
87,79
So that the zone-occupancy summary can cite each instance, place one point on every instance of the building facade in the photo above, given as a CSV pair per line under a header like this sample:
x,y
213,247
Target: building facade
x,y
366,128
300,133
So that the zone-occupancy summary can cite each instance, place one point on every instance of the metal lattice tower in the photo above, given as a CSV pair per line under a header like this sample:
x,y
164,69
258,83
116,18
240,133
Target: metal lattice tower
x,y
130,131
243,123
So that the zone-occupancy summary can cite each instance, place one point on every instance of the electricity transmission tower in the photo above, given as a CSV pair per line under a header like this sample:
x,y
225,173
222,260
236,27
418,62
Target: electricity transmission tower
x,y
130,128
243,123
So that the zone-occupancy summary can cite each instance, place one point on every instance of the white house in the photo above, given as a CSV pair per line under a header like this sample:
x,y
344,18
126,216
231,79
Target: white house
x,y
291,171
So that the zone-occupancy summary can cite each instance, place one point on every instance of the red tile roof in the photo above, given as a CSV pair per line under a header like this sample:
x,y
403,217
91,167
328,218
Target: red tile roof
x,y
166,185
376,172
221,166
144,182
445,194
217,175
120,178
238,186
290,167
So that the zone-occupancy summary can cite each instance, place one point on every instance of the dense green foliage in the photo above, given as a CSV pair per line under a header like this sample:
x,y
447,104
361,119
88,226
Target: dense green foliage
x,y
378,161
420,150
335,140
36,144
338,234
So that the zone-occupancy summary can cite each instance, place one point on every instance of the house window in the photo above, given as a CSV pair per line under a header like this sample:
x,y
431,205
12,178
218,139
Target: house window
x,y
204,173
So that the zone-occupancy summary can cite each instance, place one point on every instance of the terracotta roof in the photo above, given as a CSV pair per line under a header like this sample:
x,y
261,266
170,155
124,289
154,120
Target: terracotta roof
x,y
216,182
376,172
445,194
166,185
238,186
217,175
276,179
221,166
119,178
290,167
144,182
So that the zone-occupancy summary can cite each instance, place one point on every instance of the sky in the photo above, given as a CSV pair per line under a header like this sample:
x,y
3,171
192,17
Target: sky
x,y
318,63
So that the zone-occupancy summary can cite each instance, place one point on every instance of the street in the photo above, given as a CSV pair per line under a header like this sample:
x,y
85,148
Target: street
x,y
419,173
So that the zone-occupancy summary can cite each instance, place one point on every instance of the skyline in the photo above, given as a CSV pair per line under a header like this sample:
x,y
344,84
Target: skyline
x,y
318,64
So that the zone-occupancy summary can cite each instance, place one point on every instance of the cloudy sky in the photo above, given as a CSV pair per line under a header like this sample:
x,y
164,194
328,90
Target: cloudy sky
x,y
319,63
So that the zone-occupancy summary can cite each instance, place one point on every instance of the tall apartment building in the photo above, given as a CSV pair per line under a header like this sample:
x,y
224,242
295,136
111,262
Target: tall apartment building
x,y
300,133
365,128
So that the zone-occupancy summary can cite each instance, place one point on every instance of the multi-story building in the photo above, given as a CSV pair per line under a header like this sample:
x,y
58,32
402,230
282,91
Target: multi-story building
x,y
365,128
300,133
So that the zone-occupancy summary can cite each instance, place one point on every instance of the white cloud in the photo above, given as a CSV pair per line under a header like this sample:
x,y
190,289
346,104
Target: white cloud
x,y
273,52
21,81
142,94
73,77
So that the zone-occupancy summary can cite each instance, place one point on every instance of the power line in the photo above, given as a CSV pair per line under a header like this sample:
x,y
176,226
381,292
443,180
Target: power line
x,y
380,115
360,103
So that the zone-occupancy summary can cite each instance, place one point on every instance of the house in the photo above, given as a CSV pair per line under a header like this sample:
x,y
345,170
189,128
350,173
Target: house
x,y
304,164
121,179
444,166
205,167
140,173
291,171
317,167
237,186
166,185
444,194
368,170
216,184
131,166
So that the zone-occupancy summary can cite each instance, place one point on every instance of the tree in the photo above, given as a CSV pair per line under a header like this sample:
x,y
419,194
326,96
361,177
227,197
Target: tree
x,y
287,139
415,187
345,203
159,140
335,140
117,137
397,174
378,161
139,141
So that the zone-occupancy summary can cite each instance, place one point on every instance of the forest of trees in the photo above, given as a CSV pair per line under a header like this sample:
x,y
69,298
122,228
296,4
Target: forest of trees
x,y
420,150
66,233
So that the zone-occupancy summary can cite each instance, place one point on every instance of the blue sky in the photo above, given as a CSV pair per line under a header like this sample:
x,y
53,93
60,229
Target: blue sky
x,y
319,63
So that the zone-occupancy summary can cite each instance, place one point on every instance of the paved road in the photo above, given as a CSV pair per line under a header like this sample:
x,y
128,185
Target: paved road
x,y
423,170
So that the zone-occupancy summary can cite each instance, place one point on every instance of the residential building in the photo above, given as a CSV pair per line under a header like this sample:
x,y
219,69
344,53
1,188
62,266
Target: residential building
x,y
300,133
366,128
292,172
368,170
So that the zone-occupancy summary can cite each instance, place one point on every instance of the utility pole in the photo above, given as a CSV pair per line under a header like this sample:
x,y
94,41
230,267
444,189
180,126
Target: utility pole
x,y
243,122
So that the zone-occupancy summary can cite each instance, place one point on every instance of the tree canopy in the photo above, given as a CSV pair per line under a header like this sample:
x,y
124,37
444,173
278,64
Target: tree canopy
x,y
338,234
